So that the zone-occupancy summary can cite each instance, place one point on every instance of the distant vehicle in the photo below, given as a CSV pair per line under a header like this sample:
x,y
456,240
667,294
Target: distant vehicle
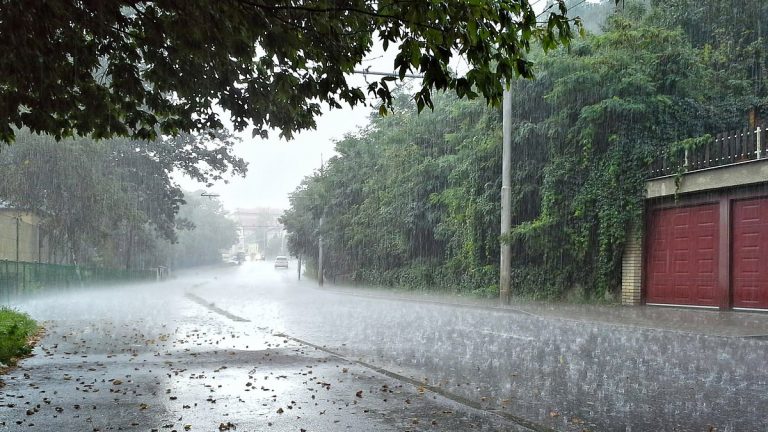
x,y
240,258
281,262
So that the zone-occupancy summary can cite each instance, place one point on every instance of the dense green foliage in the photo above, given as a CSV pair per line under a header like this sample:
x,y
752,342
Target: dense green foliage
x,y
15,330
143,68
413,199
113,203
384,199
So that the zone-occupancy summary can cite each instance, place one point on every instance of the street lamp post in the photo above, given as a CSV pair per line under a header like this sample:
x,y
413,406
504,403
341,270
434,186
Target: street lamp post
x,y
320,254
18,222
505,261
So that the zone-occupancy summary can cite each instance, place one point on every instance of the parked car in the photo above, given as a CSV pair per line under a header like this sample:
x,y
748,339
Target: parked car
x,y
281,262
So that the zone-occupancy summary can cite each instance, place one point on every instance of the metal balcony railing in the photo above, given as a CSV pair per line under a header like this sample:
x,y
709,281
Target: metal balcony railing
x,y
726,149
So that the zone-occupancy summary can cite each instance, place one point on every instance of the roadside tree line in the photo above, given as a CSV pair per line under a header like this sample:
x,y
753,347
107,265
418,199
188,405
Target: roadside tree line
x,y
113,203
413,199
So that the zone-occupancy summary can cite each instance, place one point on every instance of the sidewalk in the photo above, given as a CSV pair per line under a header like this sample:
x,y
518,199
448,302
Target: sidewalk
x,y
695,321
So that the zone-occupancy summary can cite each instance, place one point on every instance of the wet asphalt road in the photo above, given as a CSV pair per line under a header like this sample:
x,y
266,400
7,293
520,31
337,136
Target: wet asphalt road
x,y
252,347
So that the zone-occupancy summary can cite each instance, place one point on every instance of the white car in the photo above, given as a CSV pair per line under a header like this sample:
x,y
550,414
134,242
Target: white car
x,y
281,262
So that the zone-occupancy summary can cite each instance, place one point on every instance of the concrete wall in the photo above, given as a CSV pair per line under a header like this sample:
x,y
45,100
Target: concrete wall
x,y
632,269
28,236
740,174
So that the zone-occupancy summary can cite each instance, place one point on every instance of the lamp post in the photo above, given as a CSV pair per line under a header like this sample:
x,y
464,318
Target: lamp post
x,y
320,253
18,222
505,253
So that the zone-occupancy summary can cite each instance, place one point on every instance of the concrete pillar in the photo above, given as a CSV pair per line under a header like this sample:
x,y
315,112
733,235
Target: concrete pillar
x,y
632,269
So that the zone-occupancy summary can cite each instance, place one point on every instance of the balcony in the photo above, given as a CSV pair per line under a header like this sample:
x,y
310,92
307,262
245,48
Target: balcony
x,y
732,159
726,149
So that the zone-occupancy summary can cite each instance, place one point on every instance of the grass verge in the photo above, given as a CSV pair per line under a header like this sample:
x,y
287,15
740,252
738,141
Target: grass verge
x,y
16,329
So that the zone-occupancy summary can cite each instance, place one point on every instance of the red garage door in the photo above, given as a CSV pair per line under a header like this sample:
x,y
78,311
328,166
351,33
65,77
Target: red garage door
x,y
750,254
682,260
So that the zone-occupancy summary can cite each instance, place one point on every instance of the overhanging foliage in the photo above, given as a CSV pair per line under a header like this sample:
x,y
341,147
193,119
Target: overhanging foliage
x,y
142,68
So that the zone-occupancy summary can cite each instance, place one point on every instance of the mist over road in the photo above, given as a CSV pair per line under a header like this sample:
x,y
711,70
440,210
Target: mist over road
x,y
251,346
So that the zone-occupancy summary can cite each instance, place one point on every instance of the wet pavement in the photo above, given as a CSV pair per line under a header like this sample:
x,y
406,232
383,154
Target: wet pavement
x,y
670,318
252,348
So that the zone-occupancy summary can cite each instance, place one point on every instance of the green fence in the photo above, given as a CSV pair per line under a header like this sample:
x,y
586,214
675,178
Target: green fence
x,y
20,278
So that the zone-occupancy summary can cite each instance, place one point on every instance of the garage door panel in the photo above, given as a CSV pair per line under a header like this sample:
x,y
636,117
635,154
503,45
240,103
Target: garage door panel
x,y
706,267
749,253
750,267
682,292
683,260
705,291
705,242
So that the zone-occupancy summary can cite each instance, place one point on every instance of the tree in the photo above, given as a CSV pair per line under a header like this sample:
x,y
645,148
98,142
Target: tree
x,y
142,69
732,35
608,107
105,202
206,230
387,217
412,200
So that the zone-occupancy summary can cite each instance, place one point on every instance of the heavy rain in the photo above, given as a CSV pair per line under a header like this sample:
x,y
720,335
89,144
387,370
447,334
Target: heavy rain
x,y
305,215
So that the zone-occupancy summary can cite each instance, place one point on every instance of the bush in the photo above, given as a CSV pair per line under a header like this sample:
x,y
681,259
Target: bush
x,y
15,330
538,283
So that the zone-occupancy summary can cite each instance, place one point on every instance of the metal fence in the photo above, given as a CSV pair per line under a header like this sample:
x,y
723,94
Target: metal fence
x,y
726,149
21,278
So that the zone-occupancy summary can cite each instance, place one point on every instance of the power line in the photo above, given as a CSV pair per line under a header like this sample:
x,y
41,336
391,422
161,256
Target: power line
x,y
388,74
570,8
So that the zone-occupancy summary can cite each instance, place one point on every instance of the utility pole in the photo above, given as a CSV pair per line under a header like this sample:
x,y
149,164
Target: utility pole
x,y
39,245
505,264
320,255
18,222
